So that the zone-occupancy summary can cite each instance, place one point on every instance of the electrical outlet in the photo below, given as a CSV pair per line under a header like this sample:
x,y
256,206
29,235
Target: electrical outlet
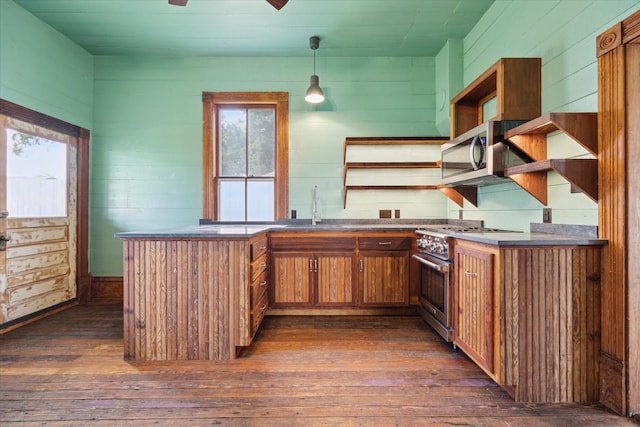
x,y
460,212
546,215
385,213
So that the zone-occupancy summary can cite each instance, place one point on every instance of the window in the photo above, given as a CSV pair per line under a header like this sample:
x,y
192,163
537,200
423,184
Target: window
x,y
245,165
36,171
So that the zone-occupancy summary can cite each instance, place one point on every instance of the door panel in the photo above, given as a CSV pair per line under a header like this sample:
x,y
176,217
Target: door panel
x,y
335,279
38,173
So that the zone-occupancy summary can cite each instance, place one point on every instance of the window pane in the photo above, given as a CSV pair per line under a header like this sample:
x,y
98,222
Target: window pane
x,y
260,200
231,200
233,141
36,176
261,142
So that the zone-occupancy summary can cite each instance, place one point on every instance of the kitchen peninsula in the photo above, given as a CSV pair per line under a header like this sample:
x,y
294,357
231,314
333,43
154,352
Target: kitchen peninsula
x,y
200,293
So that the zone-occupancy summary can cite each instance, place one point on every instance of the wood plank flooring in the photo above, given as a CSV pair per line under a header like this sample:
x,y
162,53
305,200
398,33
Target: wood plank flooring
x,y
68,370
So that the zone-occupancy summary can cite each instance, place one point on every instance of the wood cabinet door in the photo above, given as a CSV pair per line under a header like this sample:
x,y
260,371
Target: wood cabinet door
x,y
292,274
385,278
334,279
474,301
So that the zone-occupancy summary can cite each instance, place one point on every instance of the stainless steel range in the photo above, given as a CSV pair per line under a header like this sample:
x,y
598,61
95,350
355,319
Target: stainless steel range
x,y
436,287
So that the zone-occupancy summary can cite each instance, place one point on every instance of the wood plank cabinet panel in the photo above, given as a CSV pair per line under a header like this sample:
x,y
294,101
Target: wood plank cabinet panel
x,y
291,284
552,321
181,301
334,281
474,296
385,278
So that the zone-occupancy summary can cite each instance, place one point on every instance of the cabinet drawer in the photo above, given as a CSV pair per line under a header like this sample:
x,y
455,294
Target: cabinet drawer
x,y
258,266
258,288
258,248
257,314
313,243
384,243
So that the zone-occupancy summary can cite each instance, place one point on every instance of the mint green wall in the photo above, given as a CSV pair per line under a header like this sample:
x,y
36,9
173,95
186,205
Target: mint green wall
x,y
147,139
145,115
43,70
563,33
449,70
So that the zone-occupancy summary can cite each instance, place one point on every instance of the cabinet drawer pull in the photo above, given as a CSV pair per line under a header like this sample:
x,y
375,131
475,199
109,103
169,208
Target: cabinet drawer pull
x,y
263,283
263,265
264,307
262,248
384,243
361,265
310,265
469,273
315,265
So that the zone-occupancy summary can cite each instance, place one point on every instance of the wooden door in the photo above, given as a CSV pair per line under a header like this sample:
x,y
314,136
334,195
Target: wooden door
x,y
38,213
385,278
334,279
291,272
474,300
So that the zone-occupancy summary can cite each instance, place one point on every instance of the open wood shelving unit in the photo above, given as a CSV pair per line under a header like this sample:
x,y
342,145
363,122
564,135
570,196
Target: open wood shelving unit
x,y
389,141
531,138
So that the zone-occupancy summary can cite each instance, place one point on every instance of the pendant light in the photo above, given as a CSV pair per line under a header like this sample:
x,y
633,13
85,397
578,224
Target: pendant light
x,y
314,93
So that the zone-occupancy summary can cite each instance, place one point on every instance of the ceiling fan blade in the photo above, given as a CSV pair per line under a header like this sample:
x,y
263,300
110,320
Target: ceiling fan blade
x,y
178,2
278,4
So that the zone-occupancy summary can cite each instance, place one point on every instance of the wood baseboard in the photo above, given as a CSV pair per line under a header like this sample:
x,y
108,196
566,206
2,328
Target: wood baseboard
x,y
400,311
106,289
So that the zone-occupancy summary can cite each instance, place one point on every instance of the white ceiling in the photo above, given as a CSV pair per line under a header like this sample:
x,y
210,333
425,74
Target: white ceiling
x,y
255,28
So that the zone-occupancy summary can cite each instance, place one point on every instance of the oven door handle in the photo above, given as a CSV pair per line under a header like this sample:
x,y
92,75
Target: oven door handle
x,y
443,268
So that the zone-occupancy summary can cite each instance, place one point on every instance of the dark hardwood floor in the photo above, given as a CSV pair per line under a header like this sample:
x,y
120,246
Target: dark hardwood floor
x,y
68,369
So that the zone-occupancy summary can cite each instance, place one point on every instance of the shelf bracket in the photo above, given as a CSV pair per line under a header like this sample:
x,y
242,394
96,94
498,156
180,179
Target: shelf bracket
x,y
458,194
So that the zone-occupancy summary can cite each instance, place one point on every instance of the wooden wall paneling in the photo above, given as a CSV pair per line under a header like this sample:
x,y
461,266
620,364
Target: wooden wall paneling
x,y
633,243
552,321
181,299
618,117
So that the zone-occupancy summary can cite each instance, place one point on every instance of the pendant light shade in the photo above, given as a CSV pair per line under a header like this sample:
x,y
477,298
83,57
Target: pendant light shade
x,y
314,93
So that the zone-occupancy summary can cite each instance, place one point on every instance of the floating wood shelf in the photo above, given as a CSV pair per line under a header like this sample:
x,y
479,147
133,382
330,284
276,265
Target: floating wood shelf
x,y
532,177
389,141
391,165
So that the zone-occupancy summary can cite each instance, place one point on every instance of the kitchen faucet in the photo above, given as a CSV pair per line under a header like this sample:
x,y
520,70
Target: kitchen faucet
x,y
315,217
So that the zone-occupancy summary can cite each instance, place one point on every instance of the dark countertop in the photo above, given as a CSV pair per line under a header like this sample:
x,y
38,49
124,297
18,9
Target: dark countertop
x,y
540,234
235,230
529,239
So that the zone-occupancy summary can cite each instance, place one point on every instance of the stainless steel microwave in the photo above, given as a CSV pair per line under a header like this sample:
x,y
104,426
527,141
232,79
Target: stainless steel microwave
x,y
480,155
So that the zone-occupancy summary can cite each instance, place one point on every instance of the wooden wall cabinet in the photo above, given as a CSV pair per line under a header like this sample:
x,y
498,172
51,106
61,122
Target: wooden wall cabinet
x,y
384,270
515,83
531,137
